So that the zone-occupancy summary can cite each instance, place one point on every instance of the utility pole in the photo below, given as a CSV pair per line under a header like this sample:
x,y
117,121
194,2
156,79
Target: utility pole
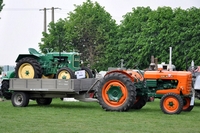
x,y
45,16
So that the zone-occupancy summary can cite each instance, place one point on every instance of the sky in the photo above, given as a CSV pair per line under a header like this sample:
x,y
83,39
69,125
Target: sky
x,y
22,21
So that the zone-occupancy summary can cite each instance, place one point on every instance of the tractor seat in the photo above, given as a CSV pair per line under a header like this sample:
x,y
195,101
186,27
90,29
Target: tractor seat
x,y
34,52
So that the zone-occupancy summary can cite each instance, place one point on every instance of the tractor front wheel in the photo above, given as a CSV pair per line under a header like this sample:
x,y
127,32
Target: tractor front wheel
x,y
28,68
171,103
65,73
88,72
186,104
116,92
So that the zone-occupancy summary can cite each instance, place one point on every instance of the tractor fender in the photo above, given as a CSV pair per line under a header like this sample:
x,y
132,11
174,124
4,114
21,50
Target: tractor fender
x,y
26,55
122,72
7,75
197,83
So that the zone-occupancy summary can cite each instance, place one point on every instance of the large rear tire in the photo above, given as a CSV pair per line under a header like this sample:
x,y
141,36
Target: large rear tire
x,y
28,68
186,104
116,92
140,102
20,99
44,101
65,73
88,72
5,90
171,103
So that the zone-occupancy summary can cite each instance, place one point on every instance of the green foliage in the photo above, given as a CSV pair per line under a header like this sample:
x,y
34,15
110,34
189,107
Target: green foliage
x,y
1,5
88,30
132,45
145,32
142,33
55,40
91,29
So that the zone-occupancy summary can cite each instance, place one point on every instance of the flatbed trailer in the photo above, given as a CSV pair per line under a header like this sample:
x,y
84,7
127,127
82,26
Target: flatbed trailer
x,y
43,90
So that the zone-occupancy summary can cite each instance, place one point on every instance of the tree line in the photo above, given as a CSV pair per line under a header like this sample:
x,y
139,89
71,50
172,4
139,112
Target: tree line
x,y
143,32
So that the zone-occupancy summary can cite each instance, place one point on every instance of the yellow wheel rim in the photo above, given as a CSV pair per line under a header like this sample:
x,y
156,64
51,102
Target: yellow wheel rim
x,y
48,76
26,71
64,75
86,75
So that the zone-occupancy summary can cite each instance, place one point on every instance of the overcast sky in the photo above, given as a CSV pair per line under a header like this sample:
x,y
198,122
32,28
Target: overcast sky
x,y
22,23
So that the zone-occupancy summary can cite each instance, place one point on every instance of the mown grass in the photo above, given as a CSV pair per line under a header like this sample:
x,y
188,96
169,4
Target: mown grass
x,y
82,117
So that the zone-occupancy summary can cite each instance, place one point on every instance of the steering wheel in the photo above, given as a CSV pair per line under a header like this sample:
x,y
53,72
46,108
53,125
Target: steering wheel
x,y
193,69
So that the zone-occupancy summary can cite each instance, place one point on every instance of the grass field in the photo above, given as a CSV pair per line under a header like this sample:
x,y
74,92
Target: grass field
x,y
82,117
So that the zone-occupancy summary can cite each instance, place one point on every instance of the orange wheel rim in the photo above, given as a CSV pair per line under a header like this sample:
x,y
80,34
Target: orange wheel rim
x,y
171,104
186,103
107,87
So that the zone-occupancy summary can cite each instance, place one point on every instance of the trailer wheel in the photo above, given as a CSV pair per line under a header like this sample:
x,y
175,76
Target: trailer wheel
x,y
28,68
44,101
20,99
116,92
171,103
88,72
4,89
186,104
65,73
140,102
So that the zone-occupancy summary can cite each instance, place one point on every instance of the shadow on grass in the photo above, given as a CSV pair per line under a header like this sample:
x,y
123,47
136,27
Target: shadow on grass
x,y
67,105
197,104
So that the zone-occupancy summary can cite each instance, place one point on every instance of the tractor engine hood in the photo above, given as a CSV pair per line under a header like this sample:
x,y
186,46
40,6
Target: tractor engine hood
x,y
167,74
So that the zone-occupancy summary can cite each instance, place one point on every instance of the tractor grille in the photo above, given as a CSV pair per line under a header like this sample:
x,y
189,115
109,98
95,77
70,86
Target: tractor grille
x,y
76,61
189,83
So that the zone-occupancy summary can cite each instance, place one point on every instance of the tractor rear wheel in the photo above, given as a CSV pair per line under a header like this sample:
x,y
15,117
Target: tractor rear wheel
x,y
44,101
116,92
140,102
65,73
186,104
28,68
171,103
20,99
4,89
88,72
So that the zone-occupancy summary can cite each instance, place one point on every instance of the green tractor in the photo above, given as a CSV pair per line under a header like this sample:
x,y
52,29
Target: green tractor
x,y
58,65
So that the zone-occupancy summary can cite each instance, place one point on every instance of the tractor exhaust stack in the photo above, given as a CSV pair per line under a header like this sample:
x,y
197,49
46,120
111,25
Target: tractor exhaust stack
x,y
170,58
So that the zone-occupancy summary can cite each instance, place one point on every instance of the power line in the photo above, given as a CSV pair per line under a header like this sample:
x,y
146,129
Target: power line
x,y
20,9
45,15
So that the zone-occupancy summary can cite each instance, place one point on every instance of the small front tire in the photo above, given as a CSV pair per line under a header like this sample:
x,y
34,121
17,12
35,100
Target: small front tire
x,y
186,104
88,72
65,73
171,103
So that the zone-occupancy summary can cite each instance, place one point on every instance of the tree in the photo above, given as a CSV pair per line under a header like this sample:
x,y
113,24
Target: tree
x,y
142,33
55,40
145,32
89,29
1,5
132,45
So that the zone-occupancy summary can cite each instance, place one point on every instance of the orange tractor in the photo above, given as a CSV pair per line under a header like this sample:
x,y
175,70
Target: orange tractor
x,y
121,90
